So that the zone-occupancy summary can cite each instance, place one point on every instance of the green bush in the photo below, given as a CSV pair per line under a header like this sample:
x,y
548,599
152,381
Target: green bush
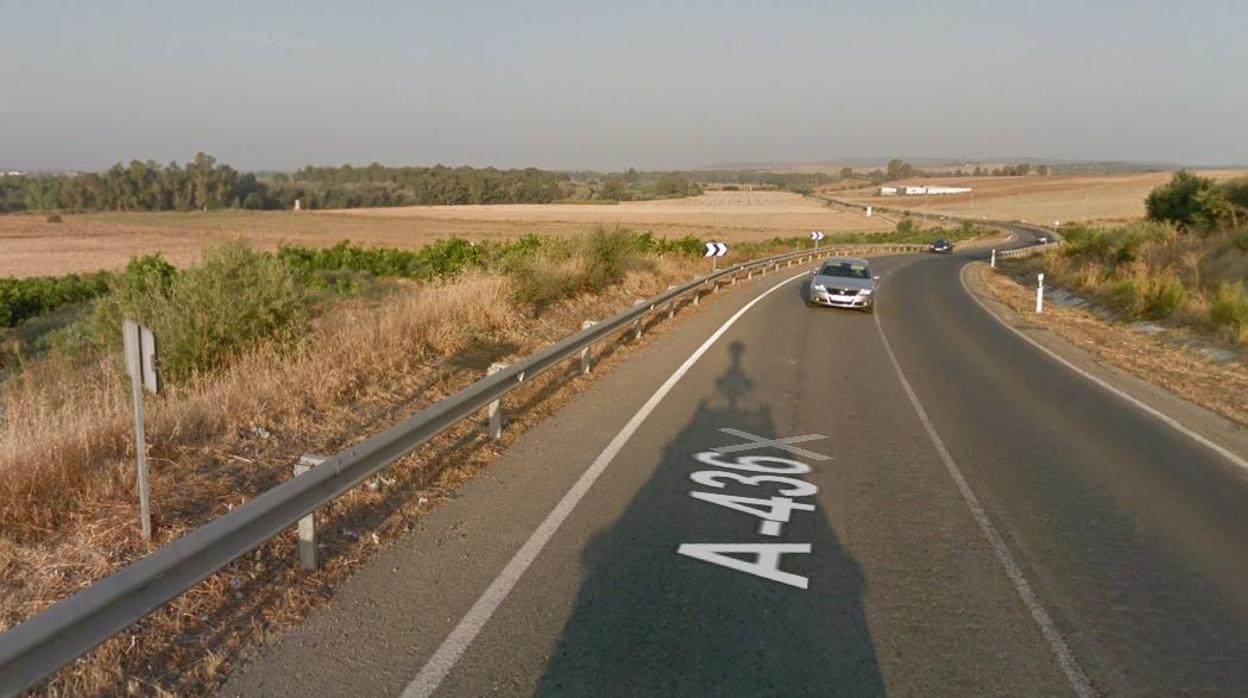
x,y
25,298
1124,295
1164,298
234,300
1229,308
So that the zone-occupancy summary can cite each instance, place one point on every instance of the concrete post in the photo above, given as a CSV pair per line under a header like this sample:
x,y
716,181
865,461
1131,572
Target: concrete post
x,y
638,322
307,525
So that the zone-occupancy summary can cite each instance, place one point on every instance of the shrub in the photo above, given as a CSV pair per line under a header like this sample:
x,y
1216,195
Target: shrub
x,y
54,218
1165,296
1229,309
25,298
1124,294
234,300
554,269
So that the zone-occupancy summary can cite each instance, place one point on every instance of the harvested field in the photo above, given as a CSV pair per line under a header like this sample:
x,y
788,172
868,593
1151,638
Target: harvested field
x,y
1101,198
90,242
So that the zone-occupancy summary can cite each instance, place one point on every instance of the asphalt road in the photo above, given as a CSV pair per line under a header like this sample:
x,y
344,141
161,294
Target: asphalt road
x,y
1021,532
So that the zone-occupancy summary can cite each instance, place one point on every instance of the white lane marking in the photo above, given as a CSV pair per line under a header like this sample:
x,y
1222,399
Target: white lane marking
x,y
1162,416
1065,658
753,441
449,652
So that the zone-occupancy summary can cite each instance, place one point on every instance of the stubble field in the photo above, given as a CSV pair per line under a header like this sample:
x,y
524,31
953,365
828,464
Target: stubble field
x,y
1036,199
90,242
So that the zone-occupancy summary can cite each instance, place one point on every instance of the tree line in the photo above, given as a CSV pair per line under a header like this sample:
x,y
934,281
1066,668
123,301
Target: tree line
x,y
900,169
204,183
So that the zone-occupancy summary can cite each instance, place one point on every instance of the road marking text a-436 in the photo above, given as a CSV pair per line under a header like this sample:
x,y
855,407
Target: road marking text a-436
x,y
775,473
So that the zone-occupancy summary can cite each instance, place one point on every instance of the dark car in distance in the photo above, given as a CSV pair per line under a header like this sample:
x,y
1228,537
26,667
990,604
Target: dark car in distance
x,y
942,247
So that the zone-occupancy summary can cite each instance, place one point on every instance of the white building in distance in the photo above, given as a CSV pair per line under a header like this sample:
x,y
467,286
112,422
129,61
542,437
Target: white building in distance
x,y
921,190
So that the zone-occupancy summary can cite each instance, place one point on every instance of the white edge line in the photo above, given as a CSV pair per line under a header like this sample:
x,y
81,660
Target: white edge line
x,y
449,652
1165,418
1065,658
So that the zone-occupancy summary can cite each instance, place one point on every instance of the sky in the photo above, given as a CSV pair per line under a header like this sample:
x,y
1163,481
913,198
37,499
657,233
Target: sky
x,y
608,85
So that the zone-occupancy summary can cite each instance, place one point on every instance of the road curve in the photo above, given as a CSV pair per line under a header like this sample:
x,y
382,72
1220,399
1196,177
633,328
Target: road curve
x,y
977,519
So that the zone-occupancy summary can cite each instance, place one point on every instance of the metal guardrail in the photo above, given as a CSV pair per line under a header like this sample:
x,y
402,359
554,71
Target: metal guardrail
x,y
1028,251
34,649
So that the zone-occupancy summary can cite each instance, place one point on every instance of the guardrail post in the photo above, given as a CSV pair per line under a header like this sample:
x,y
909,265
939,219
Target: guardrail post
x,y
495,410
637,323
307,525
733,281
671,305
587,358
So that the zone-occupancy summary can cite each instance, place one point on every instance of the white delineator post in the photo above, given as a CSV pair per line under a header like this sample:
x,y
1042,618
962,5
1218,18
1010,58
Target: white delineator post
x,y
307,525
993,263
1040,293
495,410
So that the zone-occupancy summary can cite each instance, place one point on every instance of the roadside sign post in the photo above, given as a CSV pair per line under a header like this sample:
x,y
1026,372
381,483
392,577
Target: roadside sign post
x,y
816,235
715,250
1039,293
140,352
993,263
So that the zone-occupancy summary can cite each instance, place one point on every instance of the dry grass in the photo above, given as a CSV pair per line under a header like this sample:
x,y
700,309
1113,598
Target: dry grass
x,y
67,501
1217,387
1066,198
90,242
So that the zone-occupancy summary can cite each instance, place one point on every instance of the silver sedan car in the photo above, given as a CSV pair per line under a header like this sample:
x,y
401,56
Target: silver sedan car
x,y
844,282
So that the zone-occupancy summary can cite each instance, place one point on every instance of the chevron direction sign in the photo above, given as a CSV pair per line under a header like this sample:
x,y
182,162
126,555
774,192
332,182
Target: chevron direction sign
x,y
816,235
715,249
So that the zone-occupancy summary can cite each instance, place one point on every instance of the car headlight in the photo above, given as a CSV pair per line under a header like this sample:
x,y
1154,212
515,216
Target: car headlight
x,y
865,292
819,287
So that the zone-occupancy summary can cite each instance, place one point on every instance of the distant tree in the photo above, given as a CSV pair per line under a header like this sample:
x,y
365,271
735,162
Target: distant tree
x,y
1042,170
899,169
847,173
614,188
1186,200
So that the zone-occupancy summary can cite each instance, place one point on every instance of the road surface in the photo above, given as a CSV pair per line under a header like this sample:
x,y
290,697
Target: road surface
x,y
942,509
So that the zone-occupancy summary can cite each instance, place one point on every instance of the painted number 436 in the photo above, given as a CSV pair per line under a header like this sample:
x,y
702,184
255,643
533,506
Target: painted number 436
x,y
759,559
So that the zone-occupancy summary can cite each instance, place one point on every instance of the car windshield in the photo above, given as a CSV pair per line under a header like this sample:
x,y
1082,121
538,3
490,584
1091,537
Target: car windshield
x,y
942,242
848,270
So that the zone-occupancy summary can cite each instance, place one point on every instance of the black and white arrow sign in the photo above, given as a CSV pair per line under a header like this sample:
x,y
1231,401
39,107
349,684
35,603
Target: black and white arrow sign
x,y
816,235
715,249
